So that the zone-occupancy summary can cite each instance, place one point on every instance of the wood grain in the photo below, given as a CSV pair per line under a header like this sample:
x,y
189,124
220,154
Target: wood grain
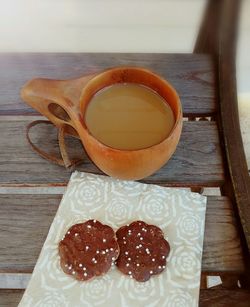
x,y
10,298
24,224
25,220
228,298
221,234
191,75
196,162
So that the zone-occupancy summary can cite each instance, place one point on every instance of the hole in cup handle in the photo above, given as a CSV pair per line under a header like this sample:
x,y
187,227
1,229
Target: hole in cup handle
x,y
58,112
48,98
62,118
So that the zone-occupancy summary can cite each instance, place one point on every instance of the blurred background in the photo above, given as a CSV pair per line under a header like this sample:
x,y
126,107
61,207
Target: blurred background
x,y
118,26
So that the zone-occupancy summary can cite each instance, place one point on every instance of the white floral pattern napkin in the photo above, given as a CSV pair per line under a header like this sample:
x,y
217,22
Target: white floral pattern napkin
x,y
178,212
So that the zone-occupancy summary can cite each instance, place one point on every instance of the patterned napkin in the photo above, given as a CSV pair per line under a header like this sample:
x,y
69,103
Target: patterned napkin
x,y
178,212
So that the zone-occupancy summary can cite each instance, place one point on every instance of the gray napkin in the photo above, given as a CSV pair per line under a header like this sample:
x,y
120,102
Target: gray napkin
x,y
178,212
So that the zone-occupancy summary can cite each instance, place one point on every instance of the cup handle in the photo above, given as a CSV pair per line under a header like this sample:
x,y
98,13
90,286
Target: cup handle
x,y
58,100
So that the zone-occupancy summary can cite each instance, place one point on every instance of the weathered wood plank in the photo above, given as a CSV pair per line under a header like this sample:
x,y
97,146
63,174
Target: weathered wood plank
x,y
192,75
10,298
24,224
228,298
25,220
196,162
222,248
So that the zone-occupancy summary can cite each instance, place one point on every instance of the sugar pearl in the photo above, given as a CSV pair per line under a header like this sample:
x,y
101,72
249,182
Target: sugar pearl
x,y
85,274
129,259
164,266
153,259
124,238
104,240
113,258
129,272
76,234
80,265
94,221
127,264
111,249
151,272
130,276
137,264
97,252
68,232
87,247
84,269
89,226
140,245
159,267
141,238
93,259
103,252
163,257
107,250
73,272
126,253
70,267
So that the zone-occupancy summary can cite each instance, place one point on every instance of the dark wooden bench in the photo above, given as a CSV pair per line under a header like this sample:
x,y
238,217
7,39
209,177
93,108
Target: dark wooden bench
x,y
210,154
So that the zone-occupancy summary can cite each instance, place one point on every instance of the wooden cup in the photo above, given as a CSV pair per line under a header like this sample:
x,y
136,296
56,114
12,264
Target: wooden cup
x,y
64,103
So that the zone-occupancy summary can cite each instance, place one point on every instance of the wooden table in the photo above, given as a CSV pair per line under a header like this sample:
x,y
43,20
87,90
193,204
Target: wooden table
x,y
31,188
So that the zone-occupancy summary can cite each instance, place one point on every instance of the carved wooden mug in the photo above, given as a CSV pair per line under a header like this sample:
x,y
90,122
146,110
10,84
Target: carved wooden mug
x,y
64,103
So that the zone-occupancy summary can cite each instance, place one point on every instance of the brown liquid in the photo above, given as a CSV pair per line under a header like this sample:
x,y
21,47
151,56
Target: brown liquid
x,y
129,116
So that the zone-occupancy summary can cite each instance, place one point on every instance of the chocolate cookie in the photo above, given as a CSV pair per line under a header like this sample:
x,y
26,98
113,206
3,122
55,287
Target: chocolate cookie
x,y
143,250
88,249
